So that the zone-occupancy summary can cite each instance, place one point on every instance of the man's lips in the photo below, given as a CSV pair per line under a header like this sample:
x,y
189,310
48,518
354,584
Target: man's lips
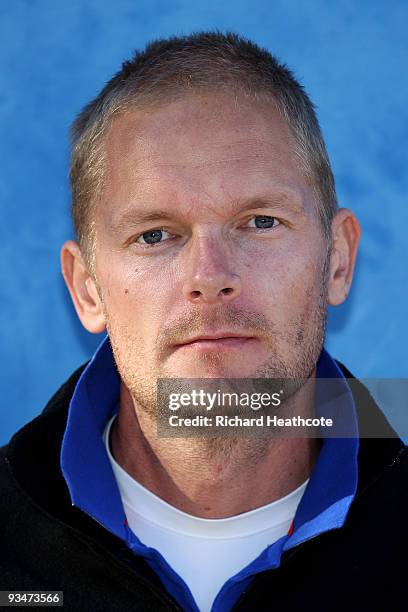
x,y
216,342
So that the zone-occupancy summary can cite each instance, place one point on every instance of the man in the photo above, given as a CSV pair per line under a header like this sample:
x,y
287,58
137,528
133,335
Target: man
x,y
209,246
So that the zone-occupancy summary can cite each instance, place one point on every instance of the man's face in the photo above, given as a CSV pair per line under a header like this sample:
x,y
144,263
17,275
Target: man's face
x,y
233,245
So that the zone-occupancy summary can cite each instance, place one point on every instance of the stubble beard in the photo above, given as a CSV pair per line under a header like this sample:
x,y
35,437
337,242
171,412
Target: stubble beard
x,y
306,336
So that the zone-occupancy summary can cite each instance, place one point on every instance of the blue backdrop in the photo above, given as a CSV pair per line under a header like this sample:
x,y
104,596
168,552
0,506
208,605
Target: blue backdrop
x,y
352,58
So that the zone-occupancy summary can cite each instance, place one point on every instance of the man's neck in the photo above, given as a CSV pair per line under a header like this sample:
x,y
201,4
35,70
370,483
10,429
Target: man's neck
x,y
210,478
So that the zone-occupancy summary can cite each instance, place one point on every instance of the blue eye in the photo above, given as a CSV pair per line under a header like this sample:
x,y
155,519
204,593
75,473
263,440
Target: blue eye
x,y
156,236
264,222
152,236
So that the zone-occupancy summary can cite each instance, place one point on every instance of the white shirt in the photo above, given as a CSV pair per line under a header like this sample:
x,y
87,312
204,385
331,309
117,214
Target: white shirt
x,y
204,552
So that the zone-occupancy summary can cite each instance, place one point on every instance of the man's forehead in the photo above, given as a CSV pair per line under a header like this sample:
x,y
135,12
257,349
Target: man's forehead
x,y
172,155
200,127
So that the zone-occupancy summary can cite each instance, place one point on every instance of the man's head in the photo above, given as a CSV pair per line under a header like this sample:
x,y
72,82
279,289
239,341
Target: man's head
x,y
170,69
204,204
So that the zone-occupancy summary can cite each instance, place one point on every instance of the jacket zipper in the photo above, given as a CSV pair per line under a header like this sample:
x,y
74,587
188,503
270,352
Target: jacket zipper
x,y
161,595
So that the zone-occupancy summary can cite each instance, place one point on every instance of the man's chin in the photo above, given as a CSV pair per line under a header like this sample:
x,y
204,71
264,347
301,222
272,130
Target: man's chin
x,y
213,365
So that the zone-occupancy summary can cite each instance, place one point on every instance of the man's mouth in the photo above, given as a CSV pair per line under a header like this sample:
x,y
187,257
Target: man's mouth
x,y
216,342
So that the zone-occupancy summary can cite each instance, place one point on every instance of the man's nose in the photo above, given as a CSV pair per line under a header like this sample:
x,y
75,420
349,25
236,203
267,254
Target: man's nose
x,y
209,279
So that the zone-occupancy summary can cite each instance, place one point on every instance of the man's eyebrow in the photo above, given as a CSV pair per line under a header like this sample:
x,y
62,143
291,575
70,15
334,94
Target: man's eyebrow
x,y
281,201
132,218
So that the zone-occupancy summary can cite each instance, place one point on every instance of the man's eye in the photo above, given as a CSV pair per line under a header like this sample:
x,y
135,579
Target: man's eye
x,y
152,236
264,222
156,236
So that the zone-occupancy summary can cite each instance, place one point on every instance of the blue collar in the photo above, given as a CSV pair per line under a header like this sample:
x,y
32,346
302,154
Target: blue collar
x,y
93,489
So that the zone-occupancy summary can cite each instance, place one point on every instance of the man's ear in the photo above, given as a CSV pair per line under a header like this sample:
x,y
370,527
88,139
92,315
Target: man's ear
x,y
82,288
345,238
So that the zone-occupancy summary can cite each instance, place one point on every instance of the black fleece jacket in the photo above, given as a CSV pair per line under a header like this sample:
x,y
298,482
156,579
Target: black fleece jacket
x,y
48,544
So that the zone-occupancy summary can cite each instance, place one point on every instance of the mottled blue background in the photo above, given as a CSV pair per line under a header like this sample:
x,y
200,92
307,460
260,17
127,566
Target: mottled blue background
x,y
352,58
